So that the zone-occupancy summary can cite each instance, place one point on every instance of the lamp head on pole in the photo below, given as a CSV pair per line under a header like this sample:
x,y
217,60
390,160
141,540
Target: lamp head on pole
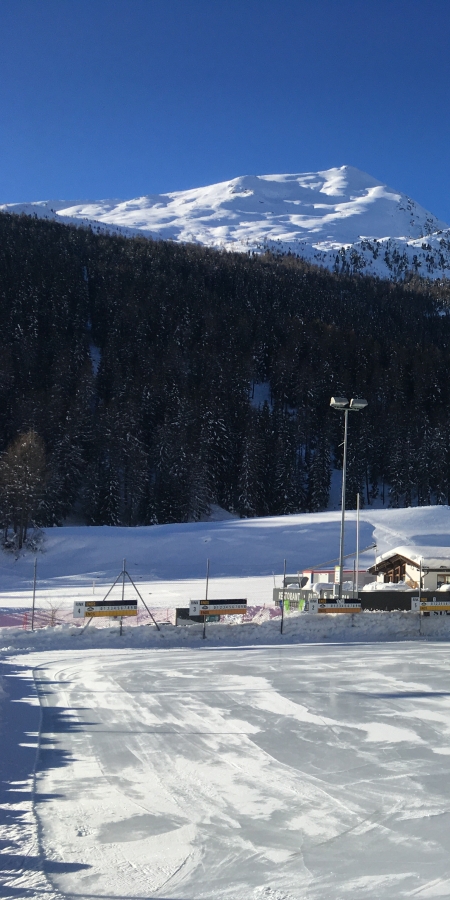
x,y
339,402
355,404
358,403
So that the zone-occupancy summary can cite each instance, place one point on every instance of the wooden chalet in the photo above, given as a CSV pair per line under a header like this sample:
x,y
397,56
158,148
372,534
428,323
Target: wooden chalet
x,y
403,564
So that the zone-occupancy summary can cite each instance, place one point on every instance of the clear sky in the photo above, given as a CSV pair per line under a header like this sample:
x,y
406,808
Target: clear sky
x,y
119,98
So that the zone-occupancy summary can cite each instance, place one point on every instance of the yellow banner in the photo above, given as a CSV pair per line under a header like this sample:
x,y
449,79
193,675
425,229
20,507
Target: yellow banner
x,y
94,613
430,607
339,609
203,611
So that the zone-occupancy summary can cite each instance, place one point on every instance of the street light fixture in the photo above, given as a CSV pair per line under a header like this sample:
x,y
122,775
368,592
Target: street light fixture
x,y
357,404
345,406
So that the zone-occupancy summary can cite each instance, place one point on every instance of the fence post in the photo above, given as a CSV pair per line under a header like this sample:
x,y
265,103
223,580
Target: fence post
x,y
282,602
34,593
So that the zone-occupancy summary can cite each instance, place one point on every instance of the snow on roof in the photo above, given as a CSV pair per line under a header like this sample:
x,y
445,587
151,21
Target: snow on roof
x,y
432,557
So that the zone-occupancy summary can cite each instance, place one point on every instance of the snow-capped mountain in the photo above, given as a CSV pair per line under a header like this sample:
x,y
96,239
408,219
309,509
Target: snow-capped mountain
x,y
340,218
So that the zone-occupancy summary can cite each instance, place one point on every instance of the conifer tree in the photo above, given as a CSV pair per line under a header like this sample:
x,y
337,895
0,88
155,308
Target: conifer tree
x,y
22,479
319,476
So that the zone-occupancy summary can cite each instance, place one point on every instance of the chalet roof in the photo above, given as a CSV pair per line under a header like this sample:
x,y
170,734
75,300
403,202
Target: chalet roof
x,y
432,557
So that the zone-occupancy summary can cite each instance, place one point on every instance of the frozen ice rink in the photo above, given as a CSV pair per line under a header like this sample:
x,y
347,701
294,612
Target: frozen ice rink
x,y
312,772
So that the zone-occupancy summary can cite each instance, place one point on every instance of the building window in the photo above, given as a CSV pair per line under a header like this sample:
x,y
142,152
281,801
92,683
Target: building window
x,y
395,574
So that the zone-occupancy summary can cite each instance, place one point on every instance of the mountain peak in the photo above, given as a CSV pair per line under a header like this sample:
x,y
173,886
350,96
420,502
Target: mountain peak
x,y
321,216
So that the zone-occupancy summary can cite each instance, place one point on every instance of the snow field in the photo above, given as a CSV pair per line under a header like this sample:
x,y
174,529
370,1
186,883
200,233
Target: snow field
x,y
171,557
157,594
168,562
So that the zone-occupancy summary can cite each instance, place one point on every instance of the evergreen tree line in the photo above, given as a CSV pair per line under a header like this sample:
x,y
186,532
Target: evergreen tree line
x,y
132,362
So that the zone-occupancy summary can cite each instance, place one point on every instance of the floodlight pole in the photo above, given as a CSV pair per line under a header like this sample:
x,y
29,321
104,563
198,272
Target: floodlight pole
x,y
206,598
357,544
344,476
345,406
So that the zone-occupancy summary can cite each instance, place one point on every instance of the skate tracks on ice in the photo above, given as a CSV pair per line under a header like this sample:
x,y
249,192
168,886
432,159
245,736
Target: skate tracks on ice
x,y
294,773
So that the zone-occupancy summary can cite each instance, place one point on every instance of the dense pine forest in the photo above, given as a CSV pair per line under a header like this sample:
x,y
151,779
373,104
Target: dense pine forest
x,y
130,372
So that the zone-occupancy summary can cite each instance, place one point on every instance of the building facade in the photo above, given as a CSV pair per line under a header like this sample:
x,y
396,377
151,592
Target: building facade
x,y
404,564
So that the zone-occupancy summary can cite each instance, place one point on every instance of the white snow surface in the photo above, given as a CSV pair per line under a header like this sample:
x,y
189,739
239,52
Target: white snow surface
x,y
340,218
168,562
237,548
253,765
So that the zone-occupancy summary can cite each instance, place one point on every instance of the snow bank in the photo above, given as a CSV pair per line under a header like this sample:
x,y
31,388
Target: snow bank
x,y
298,628
320,586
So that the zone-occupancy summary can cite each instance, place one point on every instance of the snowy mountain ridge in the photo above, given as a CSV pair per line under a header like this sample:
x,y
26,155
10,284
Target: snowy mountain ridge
x,y
340,218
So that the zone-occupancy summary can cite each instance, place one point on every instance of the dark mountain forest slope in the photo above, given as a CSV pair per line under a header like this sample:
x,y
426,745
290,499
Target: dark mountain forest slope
x,y
180,335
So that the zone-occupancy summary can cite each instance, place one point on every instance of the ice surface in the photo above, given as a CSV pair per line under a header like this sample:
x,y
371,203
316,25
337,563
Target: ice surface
x,y
316,772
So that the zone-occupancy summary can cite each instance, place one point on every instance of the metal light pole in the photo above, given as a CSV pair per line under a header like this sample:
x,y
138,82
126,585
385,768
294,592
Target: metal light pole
x,y
344,478
206,597
345,406
357,545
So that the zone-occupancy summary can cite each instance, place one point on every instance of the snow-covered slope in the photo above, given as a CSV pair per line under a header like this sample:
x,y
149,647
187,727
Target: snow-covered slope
x,y
340,218
237,548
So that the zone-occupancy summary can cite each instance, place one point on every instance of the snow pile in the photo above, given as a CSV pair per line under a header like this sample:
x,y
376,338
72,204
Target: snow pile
x,y
340,218
320,586
328,586
381,586
299,628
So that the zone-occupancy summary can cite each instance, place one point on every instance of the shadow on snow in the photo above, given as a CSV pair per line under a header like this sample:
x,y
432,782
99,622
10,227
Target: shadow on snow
x,y
29,747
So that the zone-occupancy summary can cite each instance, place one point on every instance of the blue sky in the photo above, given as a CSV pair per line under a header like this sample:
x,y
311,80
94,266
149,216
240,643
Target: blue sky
x,y
119,98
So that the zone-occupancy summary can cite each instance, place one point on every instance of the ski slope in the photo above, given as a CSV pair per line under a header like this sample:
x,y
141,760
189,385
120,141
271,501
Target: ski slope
x,y
340,218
